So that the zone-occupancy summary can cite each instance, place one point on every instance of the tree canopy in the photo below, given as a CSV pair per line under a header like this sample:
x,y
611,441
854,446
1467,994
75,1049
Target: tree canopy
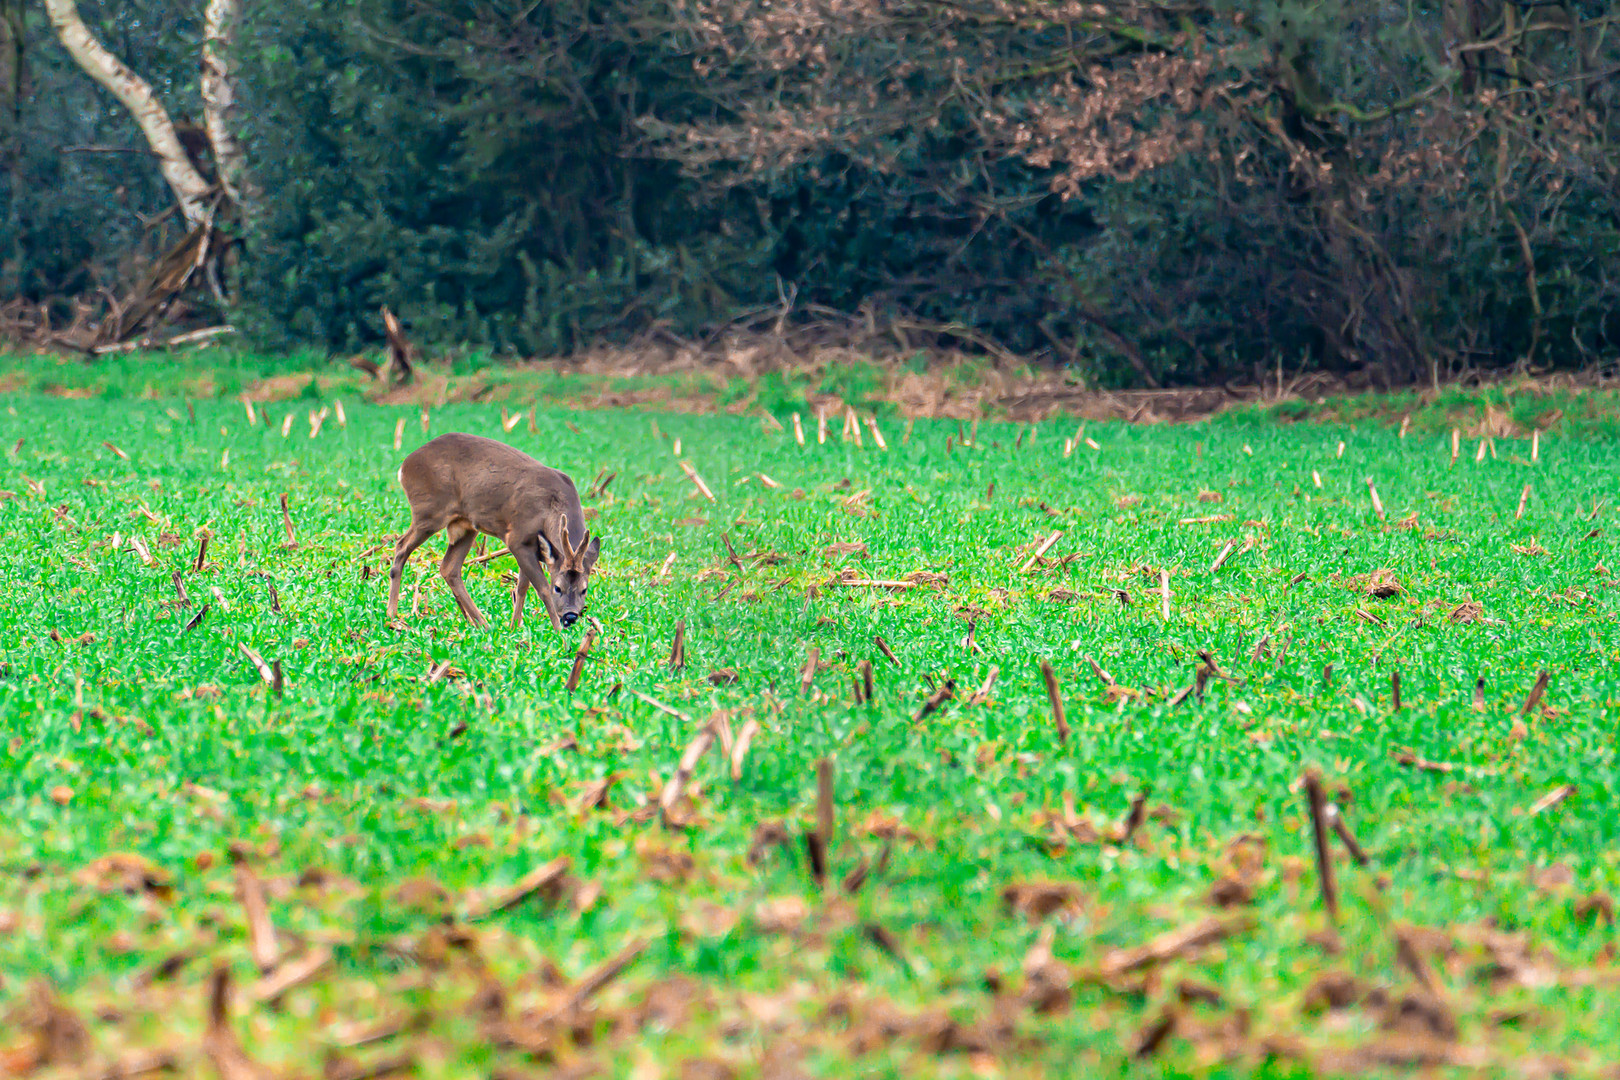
x,y
1152,193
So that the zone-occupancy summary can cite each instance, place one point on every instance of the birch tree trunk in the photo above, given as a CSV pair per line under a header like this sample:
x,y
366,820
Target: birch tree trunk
x,y
136,94
219,96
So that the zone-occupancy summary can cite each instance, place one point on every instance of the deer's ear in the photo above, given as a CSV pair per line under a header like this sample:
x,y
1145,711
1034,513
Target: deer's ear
x,y
547,552
592,551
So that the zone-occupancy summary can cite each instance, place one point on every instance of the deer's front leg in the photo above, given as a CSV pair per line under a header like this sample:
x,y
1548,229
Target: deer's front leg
x,y
518,592
537,577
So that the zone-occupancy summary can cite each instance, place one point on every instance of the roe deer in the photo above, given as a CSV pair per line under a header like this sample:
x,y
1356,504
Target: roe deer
x,y
467,485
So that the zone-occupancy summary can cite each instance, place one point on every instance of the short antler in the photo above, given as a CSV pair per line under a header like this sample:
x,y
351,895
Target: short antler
x,y
571,554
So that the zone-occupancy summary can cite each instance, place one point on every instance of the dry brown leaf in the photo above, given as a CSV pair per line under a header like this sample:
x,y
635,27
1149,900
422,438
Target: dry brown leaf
x,y
127,873
1039,899
1467,612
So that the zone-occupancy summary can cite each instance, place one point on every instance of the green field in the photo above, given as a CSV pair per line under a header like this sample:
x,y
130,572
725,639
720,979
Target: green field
x,y
1142,896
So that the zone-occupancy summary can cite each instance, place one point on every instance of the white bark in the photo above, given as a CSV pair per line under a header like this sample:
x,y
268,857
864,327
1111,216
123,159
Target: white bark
x,y
219,96
136,94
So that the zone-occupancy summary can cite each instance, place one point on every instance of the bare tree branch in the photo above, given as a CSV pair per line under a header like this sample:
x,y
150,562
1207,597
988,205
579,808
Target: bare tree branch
x,y
136,95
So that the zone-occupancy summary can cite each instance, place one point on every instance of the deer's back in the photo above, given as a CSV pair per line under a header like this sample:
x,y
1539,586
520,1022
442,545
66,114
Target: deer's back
x,y
485,481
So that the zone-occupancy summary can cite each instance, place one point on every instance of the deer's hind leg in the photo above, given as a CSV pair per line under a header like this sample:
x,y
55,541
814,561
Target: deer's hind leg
x,y
414,537
461,535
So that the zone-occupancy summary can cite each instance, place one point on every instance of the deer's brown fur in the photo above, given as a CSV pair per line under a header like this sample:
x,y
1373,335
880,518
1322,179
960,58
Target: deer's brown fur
x,y
466,485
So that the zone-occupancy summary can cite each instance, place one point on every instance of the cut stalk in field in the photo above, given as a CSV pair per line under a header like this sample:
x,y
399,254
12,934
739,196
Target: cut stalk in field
x,y
579,660
540,879
1551,799
258,663
691,474
1341,829
661,707
863,673
219,1041
592,984
877,436
739,749
943,693
262,943
825,820
1041,549
883,647
399,433
1535,446
1055,698
1096,669
821,427
1316,800
1226,553
677,651
1395,690
981,696
1524,497
683,770
1534,697
290,975
286,522
1164,594
1456,444
1377,503
807,673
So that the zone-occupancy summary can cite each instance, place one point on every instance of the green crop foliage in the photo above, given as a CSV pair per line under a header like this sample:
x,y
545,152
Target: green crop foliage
x,y
407,774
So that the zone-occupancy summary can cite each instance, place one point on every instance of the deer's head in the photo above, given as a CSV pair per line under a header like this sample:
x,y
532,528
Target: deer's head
x,y
570,569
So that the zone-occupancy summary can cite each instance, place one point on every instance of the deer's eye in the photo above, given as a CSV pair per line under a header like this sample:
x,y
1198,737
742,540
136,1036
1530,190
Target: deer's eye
x,y
557,589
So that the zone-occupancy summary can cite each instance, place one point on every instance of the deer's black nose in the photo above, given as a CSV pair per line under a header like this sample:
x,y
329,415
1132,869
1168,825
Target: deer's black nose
x,y
569,618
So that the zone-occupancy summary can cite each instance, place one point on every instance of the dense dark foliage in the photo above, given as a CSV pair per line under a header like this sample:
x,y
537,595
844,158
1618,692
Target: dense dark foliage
x,y
1151,193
